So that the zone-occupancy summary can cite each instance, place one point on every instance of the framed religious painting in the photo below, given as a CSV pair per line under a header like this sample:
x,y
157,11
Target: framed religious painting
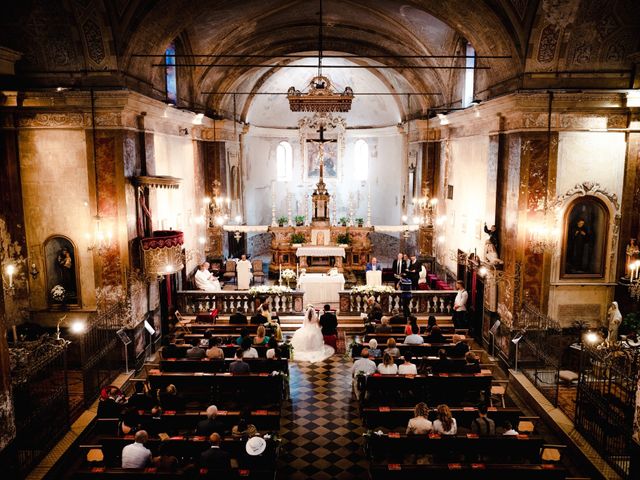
x,y
586,229
62,274
312,160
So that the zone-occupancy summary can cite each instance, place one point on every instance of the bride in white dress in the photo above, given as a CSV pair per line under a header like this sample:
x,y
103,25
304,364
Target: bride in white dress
x,y
308,343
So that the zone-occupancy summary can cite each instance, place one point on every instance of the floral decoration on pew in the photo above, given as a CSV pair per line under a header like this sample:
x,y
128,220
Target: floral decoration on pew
x,y
370,289
270,290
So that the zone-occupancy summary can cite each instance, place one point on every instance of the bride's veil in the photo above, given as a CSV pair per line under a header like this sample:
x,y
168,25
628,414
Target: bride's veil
x,y
310,316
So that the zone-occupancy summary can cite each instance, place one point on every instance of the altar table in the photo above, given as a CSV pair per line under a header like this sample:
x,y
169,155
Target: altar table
x,y
374,278
320,252
320,288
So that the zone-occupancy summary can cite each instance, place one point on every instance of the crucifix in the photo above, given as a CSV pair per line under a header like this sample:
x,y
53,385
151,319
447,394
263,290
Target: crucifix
x,y
320,196
321,141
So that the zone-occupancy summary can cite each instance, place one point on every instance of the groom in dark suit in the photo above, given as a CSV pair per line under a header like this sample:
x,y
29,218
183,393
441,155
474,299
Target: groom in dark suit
x,y
329,324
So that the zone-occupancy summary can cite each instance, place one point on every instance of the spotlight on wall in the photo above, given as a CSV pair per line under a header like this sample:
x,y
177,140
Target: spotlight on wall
x,y
197,120
443,119
78,326
8,285
592,338
482,271
202,240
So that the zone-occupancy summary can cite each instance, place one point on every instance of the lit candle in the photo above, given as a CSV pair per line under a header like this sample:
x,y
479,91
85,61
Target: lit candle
x,y
10,271
279,272
296,269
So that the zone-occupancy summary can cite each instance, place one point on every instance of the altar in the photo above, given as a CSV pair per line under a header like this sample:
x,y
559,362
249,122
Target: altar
x,y
321,256
320,288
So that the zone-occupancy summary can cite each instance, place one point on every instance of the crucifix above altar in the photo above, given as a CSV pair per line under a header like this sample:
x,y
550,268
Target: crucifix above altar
x,y
320,197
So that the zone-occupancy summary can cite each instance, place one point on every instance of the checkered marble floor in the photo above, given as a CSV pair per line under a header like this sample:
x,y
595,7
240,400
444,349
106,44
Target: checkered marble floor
x,y
320,427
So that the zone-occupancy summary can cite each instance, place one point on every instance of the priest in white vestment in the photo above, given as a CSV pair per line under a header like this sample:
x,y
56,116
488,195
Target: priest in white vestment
x,y
243,273
205,280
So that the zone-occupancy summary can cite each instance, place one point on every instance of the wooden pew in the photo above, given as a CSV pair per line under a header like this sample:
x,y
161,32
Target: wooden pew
x,y
467,471
252,389
383,337
102,473
257,365
229,350
454,365
424,350
394,448
452,389
396,417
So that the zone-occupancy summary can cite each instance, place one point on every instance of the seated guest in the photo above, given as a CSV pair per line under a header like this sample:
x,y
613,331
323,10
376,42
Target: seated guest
x,y
460,348
244,429
131,421
414,338
373,265
261,336
408,368
237,317
472,363
445,424
247,350
238,365
110,405
384,326
165,462
397,318
412,321
211,424
483,425
420,423
244,333
170,400
431,322
140,400
214,352
273,352
205,280
259,318
508,429
329,325
443,365
136,455
363,364
388,366
391,348
170,349
214,458
196,352
374,351
435,336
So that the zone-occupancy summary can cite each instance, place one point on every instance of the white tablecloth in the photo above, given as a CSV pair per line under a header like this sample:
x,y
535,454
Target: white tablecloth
x,y
321,289
374,278
320,252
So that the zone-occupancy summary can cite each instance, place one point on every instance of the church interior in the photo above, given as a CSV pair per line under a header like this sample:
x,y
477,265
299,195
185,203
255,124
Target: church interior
x,y
186,185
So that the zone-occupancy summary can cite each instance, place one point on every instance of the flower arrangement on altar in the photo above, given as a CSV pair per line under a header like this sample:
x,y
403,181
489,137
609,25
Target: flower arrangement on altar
x,y
269,290
288,274
58,293
370,289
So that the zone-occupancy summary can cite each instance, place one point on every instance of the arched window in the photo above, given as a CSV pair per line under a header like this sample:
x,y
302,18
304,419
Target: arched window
x,y
469,75
284,161
361,163
170,74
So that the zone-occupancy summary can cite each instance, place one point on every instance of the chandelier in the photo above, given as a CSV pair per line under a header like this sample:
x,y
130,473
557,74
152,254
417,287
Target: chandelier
x,y
100,239
543,234
424,208
219,206
320,96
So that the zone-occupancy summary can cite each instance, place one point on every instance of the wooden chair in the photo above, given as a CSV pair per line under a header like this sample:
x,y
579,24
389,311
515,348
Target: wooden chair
x,y
257,270
182,323
229,271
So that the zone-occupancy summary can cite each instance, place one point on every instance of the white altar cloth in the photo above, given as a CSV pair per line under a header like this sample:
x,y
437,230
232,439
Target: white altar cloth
x,y
320,252
374,278
320,289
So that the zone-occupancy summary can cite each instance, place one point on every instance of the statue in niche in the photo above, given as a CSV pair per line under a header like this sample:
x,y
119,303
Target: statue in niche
x,y
586,225
633,254
61,268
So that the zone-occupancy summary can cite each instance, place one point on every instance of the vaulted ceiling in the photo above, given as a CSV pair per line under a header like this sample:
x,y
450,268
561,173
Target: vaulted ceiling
x,y
99,43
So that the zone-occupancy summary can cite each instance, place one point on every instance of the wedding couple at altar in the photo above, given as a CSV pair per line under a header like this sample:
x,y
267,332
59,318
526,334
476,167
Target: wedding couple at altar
x,y
316,339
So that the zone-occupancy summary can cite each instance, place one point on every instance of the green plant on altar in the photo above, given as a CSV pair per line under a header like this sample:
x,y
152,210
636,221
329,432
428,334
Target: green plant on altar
x,y
343,239
343,221
282,221
299,220
297,238
360,221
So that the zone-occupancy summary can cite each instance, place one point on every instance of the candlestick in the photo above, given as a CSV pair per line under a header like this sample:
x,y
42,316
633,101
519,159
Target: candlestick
x,y
335,209
369,205
289,209
274,223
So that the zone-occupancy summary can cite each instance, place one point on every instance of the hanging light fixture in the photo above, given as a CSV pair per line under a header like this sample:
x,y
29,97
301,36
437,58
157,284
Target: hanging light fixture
x,y
320,96
219,206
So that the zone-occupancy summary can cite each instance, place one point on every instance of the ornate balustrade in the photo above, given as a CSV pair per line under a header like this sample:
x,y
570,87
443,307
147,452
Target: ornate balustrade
x,y
192,302
423,302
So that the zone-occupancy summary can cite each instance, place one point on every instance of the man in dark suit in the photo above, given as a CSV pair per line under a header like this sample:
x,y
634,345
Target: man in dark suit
x,y
399,266
329,325
413,271
214,458
211,424
238,318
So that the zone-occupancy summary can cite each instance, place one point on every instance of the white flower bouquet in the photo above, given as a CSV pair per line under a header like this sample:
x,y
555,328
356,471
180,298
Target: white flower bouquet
x,y
58,293
288,274
269,290
370,290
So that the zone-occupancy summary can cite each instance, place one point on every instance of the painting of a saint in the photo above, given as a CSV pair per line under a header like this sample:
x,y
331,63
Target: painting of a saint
x,y
330,160
585,238
60,259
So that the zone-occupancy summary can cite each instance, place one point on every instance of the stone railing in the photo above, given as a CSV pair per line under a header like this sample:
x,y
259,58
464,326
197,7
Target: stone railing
x,y
423,302
192,302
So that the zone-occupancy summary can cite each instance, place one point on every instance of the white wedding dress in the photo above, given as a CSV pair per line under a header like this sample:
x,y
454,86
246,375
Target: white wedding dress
x,y
308,343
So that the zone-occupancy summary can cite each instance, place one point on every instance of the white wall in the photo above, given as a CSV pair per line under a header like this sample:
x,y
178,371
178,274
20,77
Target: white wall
x,y
385,179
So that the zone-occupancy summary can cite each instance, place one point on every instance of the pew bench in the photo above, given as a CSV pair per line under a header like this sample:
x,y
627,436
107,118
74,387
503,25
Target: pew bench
x,y
468,471
257,365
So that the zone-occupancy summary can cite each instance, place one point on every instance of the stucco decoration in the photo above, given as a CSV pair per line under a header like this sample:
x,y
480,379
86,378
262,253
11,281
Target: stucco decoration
x,y
586,188
93,40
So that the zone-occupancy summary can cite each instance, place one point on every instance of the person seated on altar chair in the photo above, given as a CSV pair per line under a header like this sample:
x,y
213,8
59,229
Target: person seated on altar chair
x,y
329,325
243,273
205,280
373,265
